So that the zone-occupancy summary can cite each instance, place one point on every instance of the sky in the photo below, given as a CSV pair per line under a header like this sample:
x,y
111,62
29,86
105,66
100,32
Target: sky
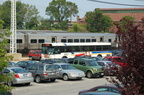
x,y
83,5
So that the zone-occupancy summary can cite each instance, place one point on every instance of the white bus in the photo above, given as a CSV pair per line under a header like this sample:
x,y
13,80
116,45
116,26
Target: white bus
x,y
70,50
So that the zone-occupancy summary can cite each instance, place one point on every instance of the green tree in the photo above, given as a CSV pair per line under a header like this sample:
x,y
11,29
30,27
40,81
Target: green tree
x,y
97,22
60,11
45,24
78,28
31,17
4,59
24,14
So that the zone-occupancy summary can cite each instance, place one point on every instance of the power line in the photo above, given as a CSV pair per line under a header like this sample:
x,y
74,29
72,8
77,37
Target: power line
x,y
115,3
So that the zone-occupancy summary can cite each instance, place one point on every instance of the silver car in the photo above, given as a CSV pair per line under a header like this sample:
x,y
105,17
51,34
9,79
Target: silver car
x,y
67,71
21,76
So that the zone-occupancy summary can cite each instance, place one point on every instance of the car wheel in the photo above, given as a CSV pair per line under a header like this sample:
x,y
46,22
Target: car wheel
x,y
80,78
65,77
9,83
38,79
89,74
52,80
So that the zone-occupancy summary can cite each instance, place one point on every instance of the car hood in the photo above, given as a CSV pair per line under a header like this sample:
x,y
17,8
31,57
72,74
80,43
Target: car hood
x,y
96,66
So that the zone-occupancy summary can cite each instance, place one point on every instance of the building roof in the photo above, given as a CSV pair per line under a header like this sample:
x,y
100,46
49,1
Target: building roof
x,y
117,13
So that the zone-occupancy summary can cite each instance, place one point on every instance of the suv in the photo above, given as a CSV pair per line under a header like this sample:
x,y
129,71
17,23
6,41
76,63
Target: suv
x,y
89,66
115,59
44,72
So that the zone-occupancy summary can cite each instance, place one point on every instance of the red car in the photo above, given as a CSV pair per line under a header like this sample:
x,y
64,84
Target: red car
x,y
114,59
34,54
102,88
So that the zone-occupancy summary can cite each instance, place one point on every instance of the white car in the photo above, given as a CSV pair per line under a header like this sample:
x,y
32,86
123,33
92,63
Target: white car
x,y
67,71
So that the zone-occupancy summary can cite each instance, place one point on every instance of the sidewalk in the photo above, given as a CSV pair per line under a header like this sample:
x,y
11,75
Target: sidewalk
x,y
24,58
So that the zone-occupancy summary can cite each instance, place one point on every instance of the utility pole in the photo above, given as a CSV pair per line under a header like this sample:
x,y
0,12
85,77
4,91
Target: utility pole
x,y
13,38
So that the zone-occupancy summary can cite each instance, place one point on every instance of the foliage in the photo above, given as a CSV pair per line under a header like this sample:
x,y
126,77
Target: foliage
x,y
24,14
45,24
124,25
60,11
97,22
4,59
78,28
130,76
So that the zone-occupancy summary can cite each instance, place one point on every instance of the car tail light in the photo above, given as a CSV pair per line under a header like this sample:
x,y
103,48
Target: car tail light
x,y
17,76
45,74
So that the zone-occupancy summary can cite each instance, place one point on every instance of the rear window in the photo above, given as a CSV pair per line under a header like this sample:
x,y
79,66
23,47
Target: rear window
x,y
19,70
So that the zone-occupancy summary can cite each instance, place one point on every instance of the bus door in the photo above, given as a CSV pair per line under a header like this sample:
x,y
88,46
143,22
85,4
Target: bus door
x,y
54,39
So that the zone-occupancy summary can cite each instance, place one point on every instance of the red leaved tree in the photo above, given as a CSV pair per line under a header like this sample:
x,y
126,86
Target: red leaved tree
x,y
130,76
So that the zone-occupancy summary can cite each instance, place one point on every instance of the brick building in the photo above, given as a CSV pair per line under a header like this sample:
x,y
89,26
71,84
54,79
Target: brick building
x,y
117,13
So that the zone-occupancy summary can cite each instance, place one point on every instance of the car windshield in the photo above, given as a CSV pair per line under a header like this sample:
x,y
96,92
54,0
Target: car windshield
x,y
19,70
67,67
91,63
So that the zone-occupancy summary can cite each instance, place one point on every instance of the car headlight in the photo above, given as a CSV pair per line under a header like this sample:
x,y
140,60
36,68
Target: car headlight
x,y
72,73
95,69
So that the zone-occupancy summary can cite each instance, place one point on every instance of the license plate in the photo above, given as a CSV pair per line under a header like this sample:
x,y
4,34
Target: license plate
x,y
25,75
52,73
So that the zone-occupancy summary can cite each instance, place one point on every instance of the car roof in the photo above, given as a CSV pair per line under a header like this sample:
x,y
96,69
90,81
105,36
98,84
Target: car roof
x,y
62,63
13,67
100,93
107,85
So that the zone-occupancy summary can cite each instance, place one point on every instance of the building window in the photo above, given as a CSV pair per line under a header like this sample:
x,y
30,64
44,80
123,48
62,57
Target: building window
x,y
41,40
63,40
93,40
33,41
19,40
76,40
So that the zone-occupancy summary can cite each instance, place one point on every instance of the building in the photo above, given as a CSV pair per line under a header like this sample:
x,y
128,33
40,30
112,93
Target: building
x,y
117,13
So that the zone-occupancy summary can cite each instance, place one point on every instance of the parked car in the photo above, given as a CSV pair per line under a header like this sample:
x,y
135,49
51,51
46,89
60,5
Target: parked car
x,y
108,66
24,64
67,72
105,64
102,88
43,72
97,58
89,66
51,61
12,64
35,54
99,93
21,76
68,60
115,59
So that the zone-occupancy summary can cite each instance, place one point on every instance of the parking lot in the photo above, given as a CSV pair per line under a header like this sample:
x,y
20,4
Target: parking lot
x,y
59,87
